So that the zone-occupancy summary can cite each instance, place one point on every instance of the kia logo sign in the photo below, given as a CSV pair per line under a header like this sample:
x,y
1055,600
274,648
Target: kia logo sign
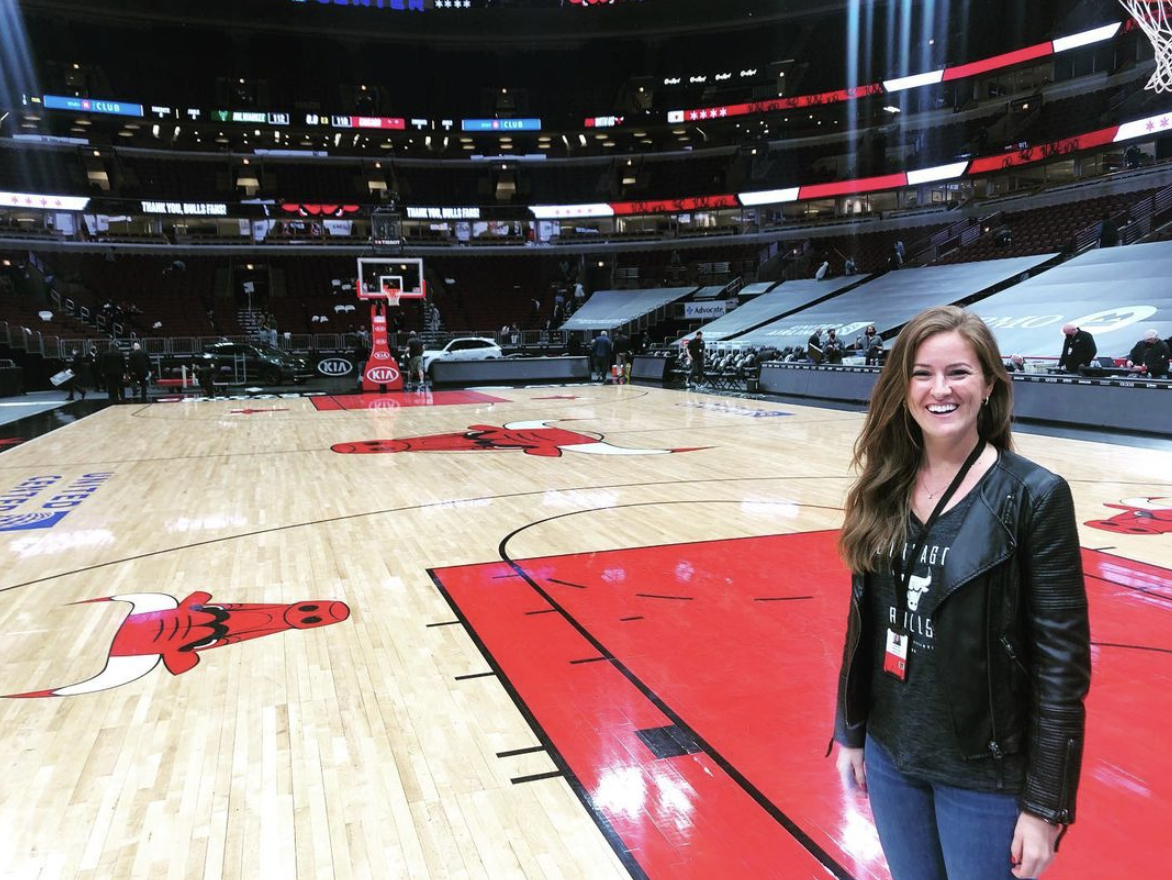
x,y
334,367
382,375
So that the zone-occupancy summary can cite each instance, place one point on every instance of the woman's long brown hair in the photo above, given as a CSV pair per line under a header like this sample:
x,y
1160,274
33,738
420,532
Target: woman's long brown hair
x,y
889,450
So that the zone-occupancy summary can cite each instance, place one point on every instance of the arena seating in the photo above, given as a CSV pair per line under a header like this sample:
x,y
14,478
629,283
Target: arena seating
x,y
1040,230
871,250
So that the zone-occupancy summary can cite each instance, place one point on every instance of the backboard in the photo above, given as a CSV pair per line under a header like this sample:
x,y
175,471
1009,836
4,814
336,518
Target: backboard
x,y
390,278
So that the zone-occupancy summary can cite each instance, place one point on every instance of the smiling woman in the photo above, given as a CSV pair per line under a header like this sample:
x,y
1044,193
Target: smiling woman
x,y
956,544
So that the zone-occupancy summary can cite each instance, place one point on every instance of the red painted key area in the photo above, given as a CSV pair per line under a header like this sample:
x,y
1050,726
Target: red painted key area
x,y
731,649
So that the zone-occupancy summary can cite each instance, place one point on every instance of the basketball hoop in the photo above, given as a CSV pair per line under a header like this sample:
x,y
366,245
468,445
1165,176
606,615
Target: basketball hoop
x,y
390,279
1155,19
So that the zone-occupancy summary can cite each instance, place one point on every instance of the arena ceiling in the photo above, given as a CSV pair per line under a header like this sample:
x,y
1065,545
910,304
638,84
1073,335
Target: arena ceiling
x,y
498,21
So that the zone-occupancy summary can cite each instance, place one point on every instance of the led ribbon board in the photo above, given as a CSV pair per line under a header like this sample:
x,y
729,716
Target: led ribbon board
x,y
91,105
49,203
500,124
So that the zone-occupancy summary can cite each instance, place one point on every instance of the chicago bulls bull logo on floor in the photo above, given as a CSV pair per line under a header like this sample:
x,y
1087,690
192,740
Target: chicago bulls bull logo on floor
x,y
1141,516
532,438
161,628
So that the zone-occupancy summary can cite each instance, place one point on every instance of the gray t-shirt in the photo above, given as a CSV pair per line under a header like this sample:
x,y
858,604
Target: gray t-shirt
x,y
911,719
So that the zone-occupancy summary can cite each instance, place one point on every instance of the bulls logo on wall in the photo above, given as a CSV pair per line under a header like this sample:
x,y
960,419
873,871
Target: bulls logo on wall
x,y
160,628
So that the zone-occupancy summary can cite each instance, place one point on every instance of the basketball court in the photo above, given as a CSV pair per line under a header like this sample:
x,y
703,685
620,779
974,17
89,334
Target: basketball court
x,y
582,632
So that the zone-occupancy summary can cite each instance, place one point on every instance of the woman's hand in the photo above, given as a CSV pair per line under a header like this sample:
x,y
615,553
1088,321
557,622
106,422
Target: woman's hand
x,y
1032,849
849,763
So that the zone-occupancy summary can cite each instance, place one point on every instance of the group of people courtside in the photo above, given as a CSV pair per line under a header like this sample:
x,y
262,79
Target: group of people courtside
x,y
612,356
110,371
1148,357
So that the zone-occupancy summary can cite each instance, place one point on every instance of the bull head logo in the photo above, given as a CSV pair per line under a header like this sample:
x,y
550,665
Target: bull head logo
x,y
1141,516
160,628
916,588
532,438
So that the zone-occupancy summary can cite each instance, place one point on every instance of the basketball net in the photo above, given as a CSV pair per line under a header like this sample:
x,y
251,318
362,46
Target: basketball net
x,y
1155,18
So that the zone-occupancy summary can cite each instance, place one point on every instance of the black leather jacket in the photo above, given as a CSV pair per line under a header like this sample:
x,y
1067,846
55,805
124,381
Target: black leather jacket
x,y
1013,642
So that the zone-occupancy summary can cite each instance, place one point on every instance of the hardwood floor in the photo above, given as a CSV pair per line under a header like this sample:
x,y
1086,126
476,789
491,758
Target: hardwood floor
x,y
507,647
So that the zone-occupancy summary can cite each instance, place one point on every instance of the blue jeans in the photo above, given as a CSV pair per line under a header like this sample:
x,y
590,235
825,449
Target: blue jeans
x,y
931,831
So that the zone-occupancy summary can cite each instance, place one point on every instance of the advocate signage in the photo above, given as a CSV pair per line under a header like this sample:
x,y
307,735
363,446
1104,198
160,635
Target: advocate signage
x,y
705,310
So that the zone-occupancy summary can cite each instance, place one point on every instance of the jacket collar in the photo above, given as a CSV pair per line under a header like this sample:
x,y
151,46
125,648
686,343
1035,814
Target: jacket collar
x,y
986,536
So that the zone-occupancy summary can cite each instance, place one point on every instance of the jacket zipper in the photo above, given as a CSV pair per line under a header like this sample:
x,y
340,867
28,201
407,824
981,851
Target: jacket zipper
x,y
994,746
1008,646
1064,811
850,663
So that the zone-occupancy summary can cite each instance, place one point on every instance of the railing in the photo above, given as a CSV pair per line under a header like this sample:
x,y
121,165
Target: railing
x,y
1087,238
1134,222
928,251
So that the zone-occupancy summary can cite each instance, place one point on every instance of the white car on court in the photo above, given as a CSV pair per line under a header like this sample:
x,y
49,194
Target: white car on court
x,y
462,348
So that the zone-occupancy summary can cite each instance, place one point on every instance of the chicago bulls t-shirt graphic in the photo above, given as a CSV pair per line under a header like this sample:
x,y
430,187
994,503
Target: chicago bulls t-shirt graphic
x,y
530,437
907,716
160,628
927,572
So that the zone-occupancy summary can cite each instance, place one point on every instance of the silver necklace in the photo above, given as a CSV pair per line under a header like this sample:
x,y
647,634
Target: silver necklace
x,y
932,495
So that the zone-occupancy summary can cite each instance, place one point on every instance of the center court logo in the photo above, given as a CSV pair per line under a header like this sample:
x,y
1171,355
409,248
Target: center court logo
x,y
530,437
16,517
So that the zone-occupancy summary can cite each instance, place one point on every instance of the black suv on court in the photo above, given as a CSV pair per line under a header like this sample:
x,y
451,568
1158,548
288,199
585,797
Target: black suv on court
x,y
255,362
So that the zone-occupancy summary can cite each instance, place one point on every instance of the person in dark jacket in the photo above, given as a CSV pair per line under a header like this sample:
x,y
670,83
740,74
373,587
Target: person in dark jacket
x,y
139,364
873,347
601,350
695,350
205,374
832,350
113,364
1150,356
622,354
80,367
1078,350
415,360
814,347
967,658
